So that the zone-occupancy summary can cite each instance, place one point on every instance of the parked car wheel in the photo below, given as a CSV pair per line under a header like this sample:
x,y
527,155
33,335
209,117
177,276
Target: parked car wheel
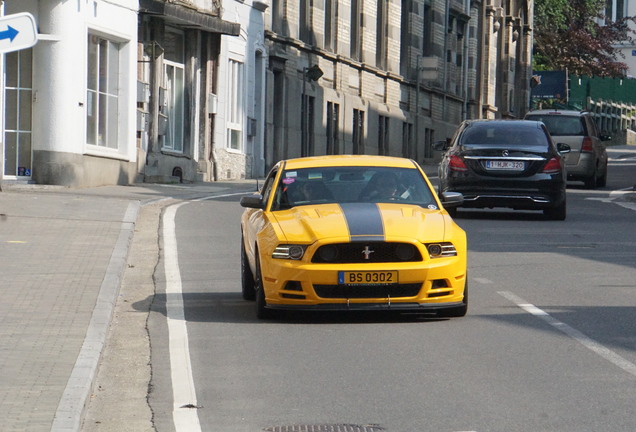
x,y
602,180
590,182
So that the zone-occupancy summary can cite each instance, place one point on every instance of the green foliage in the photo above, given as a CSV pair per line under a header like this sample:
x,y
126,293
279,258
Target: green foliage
x,y
568,36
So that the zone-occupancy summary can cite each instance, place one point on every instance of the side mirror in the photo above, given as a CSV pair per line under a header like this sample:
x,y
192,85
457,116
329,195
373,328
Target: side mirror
x,y
563,148
452,199
253,201
440,145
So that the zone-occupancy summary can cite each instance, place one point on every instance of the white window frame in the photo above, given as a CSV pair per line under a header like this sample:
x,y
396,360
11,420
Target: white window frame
x,y
235,106
174,102
99,101
19,131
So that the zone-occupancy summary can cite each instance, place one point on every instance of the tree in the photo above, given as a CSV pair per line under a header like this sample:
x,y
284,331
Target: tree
x,y
575,35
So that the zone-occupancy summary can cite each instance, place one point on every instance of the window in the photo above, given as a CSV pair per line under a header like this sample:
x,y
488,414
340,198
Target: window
x,y
235,106
102,101
407,139
305,28
331,12
358,131
277,20
356,30
172,93
428,46
173,84
18,105
383,135
382,29
333,114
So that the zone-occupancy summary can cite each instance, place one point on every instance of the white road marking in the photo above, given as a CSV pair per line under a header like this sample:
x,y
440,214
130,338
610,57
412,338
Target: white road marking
x,y
482,280
587,342
184,414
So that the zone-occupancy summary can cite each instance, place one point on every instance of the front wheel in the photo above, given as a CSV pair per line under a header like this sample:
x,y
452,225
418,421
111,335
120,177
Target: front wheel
x,y
247,278
261,304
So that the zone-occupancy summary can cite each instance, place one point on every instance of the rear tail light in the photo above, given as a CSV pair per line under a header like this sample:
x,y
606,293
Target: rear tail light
x,y
457,164
587,145
553,166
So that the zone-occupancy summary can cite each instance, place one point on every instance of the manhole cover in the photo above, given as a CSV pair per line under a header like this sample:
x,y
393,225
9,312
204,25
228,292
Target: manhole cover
x,y
325,428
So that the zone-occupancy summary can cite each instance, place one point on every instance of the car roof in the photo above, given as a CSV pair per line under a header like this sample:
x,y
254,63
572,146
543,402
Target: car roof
x,y
558,112
503,123
348,160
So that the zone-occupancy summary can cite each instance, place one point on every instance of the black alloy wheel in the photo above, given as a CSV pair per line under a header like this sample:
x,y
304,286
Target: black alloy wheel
x,y
261,305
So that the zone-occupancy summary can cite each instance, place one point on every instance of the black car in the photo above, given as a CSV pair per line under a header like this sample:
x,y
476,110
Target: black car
x,y
505,163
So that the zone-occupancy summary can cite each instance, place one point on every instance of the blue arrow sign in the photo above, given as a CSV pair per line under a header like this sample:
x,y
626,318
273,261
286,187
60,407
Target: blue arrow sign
x,y
17,32
9,33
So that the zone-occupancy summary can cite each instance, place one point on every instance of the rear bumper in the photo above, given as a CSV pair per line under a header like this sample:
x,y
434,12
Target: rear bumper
x,y
522,194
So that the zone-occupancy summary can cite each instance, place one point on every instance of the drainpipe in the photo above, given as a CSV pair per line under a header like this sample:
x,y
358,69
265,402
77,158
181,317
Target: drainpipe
x,y
465,65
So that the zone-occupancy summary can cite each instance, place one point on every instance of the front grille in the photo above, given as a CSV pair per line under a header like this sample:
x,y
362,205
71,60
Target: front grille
x,y
366,252
367,291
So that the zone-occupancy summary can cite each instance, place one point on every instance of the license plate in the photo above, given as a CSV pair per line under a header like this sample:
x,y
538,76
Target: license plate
x,y
367,277
505,165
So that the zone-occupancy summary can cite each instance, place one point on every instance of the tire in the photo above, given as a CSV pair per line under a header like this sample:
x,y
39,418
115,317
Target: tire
x,y
261,304
556,213
590,182
247,278
602,180
459,311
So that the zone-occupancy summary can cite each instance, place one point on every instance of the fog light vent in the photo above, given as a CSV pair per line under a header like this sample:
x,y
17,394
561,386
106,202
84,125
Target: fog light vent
x,y
439,283
293,286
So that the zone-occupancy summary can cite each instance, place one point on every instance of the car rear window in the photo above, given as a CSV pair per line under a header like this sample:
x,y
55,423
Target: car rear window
x,y
561,125
509,135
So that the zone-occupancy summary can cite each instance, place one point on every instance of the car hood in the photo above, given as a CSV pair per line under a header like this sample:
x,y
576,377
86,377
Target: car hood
x,y
362,221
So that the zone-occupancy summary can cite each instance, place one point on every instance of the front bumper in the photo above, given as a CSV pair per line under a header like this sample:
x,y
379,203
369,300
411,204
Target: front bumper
x,y
432,284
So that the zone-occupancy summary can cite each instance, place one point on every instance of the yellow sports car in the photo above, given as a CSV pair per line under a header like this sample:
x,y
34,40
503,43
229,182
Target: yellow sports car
x,y
352,233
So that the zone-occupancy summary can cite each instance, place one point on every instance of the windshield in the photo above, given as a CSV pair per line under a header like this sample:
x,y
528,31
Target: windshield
x,y
322,185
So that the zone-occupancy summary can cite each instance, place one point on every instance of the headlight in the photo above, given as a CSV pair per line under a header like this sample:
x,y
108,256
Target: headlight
x,y
438,250
293,252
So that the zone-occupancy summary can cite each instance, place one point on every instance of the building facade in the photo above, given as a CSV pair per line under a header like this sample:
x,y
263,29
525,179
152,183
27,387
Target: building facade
x,y
68,102
122,91
390,77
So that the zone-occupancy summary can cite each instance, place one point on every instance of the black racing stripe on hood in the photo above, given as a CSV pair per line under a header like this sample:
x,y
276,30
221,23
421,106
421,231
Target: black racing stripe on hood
x,y
363,220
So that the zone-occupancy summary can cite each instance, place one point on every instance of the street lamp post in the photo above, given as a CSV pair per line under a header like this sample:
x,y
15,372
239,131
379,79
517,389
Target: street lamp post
x,y
313,73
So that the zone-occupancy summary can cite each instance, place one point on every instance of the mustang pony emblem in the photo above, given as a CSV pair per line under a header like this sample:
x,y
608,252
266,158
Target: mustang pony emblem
x,y
366,251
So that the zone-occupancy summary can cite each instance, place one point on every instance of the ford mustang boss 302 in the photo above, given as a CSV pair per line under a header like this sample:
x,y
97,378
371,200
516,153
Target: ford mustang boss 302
x,y
352,233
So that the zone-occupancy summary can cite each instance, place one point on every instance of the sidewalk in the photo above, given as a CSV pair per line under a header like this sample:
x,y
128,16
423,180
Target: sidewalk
x,y
62,256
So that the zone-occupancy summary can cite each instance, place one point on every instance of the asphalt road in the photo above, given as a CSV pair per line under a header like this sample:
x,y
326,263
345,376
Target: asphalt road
x,y
548,343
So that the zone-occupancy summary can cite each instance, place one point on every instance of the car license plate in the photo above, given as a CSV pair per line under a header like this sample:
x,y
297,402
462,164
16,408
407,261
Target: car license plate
x,y
367,277
505,165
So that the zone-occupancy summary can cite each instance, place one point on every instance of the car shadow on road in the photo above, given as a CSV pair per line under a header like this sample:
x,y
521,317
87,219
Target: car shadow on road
x,y
229,307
